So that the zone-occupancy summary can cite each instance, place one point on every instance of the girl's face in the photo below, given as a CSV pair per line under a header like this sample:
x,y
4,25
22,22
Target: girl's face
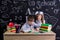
x,y
39,17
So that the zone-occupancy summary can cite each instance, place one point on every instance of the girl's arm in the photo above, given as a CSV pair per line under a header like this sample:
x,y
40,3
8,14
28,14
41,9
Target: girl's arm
x,y
43,21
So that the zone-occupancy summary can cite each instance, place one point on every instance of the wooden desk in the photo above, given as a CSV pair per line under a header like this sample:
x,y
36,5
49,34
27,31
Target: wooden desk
x,y
29,36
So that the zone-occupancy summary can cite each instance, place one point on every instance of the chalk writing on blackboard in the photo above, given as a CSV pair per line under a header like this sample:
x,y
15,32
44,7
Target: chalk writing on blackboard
x,y
52,20
58,27
59,0
20,17
28,12
5,16
43,3
58,38
31,3
4,8
4,2
56,11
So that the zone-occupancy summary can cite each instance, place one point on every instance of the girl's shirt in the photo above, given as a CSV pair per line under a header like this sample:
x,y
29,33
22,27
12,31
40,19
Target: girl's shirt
x,y
39,23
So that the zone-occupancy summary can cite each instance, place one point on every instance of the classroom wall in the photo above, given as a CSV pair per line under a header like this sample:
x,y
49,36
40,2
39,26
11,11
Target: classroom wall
x,y
18,10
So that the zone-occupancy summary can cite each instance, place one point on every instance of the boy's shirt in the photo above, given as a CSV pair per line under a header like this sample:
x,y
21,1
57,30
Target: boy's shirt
x,y
26,27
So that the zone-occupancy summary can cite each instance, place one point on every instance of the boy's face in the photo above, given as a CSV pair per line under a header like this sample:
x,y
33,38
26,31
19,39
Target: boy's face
x,y
30,22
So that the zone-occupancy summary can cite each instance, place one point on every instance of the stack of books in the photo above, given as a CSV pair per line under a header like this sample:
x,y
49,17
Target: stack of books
x,y
45,27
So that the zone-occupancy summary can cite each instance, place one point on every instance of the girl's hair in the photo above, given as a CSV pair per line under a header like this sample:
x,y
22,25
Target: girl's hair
x,y
42,19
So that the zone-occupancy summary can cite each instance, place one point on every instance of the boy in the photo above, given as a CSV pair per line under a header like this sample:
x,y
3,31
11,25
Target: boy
x,y
29,25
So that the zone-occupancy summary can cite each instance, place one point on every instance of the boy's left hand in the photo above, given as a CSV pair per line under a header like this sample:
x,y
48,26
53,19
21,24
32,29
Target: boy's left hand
x,y
37,29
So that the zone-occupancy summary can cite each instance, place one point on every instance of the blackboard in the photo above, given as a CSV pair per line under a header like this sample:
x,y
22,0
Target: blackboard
x,y
20,9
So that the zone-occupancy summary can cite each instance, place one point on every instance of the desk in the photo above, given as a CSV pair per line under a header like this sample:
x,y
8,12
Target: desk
x,y
29,36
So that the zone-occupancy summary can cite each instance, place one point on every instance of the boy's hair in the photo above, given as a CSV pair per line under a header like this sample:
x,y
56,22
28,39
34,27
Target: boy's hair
x,y
30,18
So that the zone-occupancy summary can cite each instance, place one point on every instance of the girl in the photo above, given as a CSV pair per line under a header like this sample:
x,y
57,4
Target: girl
x,y
39,18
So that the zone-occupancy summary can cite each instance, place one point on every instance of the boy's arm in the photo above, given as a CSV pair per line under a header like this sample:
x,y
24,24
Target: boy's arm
x,y
36,25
